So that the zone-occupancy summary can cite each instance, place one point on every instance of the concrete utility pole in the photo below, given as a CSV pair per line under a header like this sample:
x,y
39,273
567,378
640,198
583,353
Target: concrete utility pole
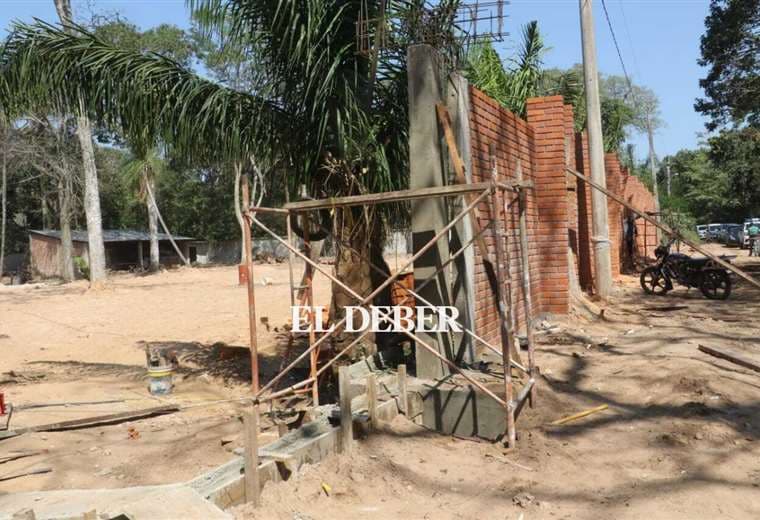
x,y
600,238
653,171
667,171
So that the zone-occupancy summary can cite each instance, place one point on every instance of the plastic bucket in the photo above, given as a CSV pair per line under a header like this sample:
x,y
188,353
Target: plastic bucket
x,y
160,380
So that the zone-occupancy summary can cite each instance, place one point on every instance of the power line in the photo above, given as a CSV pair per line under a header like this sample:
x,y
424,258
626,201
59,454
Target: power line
x,y
617,47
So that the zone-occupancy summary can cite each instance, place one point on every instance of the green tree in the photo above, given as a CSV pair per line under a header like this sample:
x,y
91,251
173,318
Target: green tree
x,y
141,172
333,115
730,49
521,79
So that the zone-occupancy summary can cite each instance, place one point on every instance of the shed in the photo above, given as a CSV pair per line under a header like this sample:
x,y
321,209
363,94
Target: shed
x,y
125,249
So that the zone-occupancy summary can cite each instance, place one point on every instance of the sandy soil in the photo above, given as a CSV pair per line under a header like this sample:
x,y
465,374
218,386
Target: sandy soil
x,y
679,440
68,343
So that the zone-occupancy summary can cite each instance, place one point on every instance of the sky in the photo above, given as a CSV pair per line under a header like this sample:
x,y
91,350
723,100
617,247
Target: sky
x,y
659,41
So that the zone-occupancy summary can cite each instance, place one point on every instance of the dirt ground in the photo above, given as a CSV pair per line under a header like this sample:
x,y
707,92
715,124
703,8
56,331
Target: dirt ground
x,y
67,343
679,439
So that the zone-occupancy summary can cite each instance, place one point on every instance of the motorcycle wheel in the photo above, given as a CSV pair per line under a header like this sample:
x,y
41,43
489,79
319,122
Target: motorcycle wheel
x,y
653,281
716,284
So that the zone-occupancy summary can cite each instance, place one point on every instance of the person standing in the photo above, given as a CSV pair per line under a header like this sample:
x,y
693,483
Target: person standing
x,y
754,239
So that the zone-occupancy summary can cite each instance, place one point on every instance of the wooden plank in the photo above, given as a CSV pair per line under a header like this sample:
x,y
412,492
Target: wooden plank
x,y
372,400
97,420
667,230
388,196
251,432
729,356
253,341
346,419
451,144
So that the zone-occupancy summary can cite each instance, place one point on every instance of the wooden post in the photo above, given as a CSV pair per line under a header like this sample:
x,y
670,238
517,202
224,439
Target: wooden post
x,y
140,258
505,319
309,275
372,401
251,295
288,223
251,427
525,256
346,418
403,400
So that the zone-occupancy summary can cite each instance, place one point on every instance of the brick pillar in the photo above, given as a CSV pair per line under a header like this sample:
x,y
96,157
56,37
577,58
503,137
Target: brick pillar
x,y
614,210
547,116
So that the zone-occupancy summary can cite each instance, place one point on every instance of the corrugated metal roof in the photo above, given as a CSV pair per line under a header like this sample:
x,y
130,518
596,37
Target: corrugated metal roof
x,y
109,235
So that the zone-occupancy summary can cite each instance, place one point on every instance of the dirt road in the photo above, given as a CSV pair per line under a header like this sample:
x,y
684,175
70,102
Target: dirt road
x,y
680,438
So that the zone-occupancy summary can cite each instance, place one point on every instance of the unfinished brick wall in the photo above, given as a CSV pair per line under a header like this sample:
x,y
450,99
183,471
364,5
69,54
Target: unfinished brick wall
x,y
559,207
614,210
638,195
513,140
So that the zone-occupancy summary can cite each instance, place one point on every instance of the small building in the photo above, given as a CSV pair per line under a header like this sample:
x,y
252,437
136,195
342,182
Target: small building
x,y
125,249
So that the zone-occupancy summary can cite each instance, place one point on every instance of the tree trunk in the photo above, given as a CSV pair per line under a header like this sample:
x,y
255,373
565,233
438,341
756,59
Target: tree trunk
x,y
67,246
152,201
152,226
43,205
91,191
4,211
92,204
238,210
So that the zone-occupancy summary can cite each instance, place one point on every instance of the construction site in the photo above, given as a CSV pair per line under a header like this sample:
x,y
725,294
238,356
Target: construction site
x,y
562,387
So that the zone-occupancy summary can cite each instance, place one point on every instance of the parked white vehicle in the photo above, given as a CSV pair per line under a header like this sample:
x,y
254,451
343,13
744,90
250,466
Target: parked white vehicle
x,y
702,231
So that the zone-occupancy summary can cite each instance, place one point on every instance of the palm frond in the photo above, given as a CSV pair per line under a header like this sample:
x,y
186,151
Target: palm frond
x,y
148,98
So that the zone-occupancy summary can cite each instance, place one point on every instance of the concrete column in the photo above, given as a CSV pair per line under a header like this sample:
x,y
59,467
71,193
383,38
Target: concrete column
x,y
463,288
428,215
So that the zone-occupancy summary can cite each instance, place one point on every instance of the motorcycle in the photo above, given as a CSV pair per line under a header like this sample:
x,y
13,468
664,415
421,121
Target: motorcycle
x,y
711,279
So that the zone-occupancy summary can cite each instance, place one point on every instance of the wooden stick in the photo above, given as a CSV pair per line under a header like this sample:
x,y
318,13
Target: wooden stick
x,y
667,230
97,420
403,399
388,196
526,284
38,471
251,429
346,418
372,401
504,303
31,406
733,358
456,161
578,415
17,456
251,294
309,278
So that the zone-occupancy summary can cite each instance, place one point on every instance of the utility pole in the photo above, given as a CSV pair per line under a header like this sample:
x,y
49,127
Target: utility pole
x,y
667,172
600,238
653,171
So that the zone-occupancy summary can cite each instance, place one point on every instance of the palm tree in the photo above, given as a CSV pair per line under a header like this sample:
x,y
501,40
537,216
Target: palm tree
x,y
96,247
337,116
511,86
141,172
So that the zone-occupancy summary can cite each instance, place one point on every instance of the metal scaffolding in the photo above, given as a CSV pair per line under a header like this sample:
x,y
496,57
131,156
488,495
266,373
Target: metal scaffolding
x,y
474,194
